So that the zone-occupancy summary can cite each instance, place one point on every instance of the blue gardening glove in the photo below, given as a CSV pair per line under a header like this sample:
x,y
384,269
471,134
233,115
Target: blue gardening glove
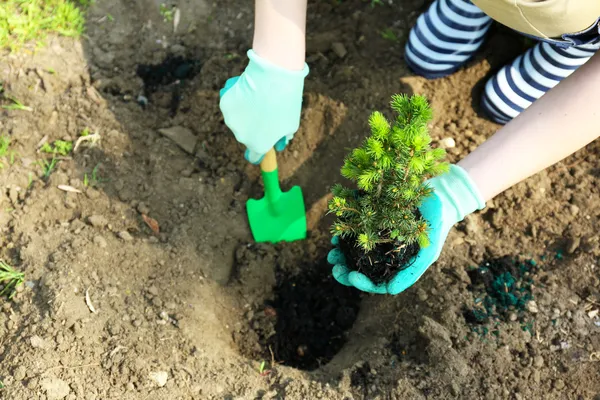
x,y
454,197
262,106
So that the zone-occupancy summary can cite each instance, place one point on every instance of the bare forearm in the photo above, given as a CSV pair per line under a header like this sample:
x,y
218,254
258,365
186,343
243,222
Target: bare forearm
x,y
558,124
279,32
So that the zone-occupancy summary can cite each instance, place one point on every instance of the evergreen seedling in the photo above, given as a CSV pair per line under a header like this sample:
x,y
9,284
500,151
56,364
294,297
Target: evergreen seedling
x,y
379,225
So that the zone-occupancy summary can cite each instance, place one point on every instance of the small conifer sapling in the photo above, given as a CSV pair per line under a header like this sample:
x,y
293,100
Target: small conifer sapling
x,y
379,223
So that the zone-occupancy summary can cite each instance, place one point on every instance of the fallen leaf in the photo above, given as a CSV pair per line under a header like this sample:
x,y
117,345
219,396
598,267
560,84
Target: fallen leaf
x,y
68,188
152,223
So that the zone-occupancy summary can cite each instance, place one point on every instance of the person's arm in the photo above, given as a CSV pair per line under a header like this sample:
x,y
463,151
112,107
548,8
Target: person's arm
x,y
279,32
562,121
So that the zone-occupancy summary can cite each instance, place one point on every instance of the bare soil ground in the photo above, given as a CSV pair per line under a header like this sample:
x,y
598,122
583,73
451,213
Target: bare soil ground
x,y
193,311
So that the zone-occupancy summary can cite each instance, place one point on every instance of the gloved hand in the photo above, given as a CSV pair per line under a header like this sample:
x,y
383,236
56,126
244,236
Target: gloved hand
x,y
262,106
454,197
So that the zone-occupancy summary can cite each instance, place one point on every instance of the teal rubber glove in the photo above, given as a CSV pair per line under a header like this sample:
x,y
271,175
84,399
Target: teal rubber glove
x,y
455,196
262,106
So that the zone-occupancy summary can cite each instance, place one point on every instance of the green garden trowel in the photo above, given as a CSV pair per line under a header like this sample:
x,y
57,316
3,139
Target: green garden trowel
x,y
278,216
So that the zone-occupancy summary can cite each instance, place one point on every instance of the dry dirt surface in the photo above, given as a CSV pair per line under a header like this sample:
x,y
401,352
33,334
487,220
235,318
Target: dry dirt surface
x,y
195,309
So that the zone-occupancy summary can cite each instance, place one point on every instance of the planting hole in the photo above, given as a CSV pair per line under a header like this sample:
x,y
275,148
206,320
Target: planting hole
x,y
307,322
170,70
168,75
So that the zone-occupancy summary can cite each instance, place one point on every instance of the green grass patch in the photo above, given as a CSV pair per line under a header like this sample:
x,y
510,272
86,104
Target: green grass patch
x,y
60,147
24,21
4,145
10,278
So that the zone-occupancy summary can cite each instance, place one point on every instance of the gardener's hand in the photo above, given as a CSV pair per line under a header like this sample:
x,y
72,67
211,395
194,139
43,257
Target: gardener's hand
x,y
454,197
262,106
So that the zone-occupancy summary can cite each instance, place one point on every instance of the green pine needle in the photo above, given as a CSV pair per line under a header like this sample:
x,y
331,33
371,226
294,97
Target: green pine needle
x,y
389,169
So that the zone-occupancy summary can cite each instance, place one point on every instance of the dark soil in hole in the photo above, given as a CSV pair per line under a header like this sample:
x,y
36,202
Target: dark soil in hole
x,y
172,69
171,73
307,322
382,263
501,286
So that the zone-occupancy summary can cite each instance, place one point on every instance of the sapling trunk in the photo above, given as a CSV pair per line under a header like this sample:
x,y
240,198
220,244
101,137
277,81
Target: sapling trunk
x,y
378,222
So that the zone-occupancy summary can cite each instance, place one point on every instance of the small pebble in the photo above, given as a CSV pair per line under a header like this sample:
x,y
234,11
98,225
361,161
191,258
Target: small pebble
x,y
339,49
97,221
538,362
574,209
159,377
153,290
532,307
137,323
513,316
573,245
20,373
559,384
448,143
126,236
187,172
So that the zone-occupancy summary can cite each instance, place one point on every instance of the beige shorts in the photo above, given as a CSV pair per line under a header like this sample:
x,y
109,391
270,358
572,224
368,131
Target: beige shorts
x,y
543,18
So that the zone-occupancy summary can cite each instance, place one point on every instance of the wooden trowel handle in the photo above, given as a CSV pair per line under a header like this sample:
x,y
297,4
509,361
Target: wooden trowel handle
x,y
269,163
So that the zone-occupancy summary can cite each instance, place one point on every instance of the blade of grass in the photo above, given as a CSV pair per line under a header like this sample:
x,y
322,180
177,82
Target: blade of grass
x,y
10,278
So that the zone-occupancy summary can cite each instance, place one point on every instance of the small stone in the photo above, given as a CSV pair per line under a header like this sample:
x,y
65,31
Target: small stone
x,y
164,315
187,172
126,236
538,362
56,389
448,143
559,384
183,137
137,323
574,209
513,316
455,389
422,294
339,49
573,245
153,290
37,342
98,221
20,373
532,307
100,242
159,377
